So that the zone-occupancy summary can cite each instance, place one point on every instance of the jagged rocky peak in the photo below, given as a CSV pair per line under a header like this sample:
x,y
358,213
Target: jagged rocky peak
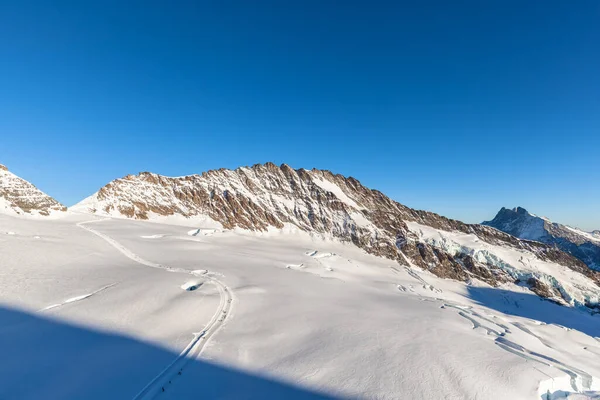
x,y
249,197
517,210
518,222
522,224
20,198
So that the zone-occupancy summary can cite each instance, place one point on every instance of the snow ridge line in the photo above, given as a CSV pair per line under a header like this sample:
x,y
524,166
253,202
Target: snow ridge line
x,y
77,298
197,345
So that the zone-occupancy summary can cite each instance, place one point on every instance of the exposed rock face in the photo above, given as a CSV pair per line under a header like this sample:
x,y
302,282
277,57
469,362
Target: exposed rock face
x,y
19,197
520,223
541,289
267,196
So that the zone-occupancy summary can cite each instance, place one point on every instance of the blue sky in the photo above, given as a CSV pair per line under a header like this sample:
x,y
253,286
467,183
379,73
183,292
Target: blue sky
x,y
459,108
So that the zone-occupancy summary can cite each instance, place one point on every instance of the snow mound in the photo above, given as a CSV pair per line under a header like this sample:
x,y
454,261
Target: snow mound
x,y
318,254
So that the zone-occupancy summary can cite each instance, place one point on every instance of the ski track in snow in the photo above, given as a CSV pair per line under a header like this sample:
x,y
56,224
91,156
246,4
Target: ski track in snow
x,y
197,345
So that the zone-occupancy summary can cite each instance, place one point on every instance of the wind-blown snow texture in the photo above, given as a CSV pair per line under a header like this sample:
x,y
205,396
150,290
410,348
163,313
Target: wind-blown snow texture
x,y
267,197
522,224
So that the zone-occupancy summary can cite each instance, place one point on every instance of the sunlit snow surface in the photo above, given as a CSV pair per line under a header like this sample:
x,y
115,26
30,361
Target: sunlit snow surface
x,y
104,309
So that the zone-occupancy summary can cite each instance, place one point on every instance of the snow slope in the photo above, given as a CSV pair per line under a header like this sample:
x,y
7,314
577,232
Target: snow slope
x,y
339,323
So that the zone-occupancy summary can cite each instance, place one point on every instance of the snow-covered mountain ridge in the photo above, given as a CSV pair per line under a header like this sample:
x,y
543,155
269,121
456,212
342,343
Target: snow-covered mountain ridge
x,y
21,198
264,197
522,224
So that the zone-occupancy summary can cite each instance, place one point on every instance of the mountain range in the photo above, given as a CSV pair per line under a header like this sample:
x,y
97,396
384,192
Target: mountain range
x,y
267,197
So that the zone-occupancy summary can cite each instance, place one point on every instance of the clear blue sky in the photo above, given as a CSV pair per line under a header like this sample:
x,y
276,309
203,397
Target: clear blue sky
x,y
455,107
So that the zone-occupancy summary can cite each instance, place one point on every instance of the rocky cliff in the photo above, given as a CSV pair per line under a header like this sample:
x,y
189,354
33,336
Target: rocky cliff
x,y
20,198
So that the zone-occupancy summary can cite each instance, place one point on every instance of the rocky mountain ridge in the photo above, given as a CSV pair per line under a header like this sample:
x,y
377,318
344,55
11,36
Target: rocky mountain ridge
x,y
522,224
21,198
267,196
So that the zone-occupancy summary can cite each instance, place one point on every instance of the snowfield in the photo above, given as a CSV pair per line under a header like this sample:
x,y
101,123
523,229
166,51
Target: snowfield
x,y
112,308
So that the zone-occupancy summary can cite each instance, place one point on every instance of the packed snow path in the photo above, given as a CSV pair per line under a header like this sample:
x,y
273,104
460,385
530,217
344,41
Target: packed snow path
x,y
194,349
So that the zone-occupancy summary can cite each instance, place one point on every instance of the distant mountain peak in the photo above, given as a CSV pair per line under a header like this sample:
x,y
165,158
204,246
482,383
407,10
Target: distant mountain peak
x,y
524,225
518,222
19,197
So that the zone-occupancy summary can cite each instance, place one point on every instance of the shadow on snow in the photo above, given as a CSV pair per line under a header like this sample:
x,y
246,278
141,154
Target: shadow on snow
x,y
534,307
43,358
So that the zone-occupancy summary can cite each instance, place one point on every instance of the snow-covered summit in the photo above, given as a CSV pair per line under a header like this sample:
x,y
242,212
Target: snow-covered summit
x,y
522,224
20,198
268,197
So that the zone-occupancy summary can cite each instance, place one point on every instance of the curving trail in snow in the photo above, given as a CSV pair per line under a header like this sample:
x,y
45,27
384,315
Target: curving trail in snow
x,y
196,346
125,251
